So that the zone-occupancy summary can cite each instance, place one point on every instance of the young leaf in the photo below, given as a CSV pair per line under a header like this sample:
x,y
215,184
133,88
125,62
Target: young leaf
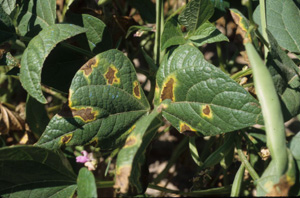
x,y
172,34
207,33
35,54
132,156
8,5
105,100
7,30
35,15
204,99
86,184
196,13
283,21
35,172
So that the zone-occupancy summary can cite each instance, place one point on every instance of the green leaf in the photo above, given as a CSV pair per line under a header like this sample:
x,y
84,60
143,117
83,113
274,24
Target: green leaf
x,y
35,172
86,184
35,15
285,74
283,21
172,34
196,13
129,178
8,5
207,33
36,116
204,99
35,54
105,100
7,29
97,38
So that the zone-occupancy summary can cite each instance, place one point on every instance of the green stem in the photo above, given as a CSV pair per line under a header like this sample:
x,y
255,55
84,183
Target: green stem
x,y
213,191
220,58
158,32
237,182
105,184
271,109
263,20
175,155
241,73
176,12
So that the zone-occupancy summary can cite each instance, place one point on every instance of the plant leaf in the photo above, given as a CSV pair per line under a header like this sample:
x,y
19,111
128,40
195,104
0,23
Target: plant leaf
x,y
129,178
283,21
207,33
221,7
86,184
97,38
172,34
105,100
35,54
8,5
294,146
35,172
200,91
35,15
196,13
285,74
7,30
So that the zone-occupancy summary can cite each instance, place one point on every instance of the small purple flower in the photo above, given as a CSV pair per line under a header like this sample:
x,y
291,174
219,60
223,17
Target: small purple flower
x,y
84,158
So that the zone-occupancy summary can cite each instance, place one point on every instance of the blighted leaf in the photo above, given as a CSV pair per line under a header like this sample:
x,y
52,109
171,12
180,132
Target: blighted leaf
x,y
8,5
86,184
172,34
105,100
36,116
35,54
35,15
35,172
271,184
207,33
7,30
283,21
205,101
196,13
129,174
242,22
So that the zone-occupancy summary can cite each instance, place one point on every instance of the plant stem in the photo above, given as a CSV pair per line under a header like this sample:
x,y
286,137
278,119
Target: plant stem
x,y
237,182
263,20
244,160
158,32
220,57
105,184
271,109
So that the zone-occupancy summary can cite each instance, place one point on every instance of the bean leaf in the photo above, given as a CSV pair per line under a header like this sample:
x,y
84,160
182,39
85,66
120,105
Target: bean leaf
x,y
105,100
204,99
35,54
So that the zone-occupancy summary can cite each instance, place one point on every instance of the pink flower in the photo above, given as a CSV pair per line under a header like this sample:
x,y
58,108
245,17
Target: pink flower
x,y
84,158
88,160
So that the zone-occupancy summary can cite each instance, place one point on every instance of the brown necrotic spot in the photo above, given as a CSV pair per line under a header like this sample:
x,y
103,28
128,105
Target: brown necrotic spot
x,y
187,130
111,76
168,89
86,114
122,179
88,67
136,89
130,141
65,139
206,110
